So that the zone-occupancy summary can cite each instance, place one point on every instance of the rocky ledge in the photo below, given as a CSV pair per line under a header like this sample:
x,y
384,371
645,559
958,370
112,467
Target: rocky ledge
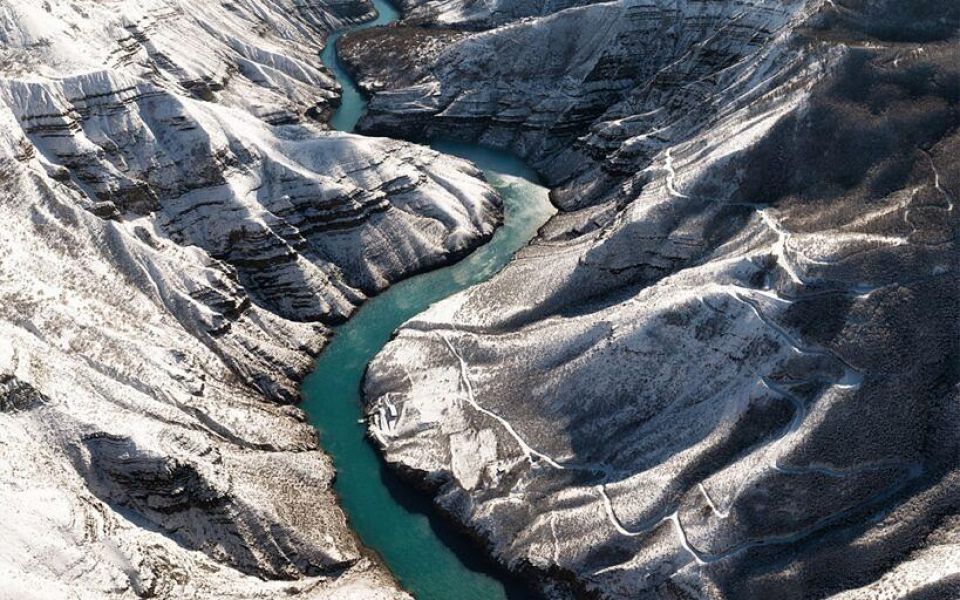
x,y
179,229
729,369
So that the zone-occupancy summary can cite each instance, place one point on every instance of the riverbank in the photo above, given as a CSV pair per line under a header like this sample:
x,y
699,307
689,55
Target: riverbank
x,y
426,553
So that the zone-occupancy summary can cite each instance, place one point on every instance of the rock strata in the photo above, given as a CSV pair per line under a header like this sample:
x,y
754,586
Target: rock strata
x,y
179,229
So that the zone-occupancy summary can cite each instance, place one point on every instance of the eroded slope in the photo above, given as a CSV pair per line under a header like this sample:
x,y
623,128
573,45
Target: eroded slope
x,y
729,370
179,227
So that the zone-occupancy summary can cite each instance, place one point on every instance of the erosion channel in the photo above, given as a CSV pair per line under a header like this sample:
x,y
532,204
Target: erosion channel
x,y
430,559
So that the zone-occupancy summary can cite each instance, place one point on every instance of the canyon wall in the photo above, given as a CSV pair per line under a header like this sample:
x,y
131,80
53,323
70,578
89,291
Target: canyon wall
x,y
179,230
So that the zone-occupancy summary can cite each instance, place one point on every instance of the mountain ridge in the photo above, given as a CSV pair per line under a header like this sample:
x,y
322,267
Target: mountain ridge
x,y
728,367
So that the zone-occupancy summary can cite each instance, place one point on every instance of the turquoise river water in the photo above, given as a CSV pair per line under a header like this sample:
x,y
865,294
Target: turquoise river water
x,y
429,558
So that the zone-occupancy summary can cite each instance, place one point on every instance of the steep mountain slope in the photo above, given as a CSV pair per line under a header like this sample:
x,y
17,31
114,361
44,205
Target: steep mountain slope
x,y
730,368
178,229
470,14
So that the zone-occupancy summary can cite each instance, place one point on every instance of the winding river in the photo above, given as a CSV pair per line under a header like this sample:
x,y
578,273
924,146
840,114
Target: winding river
x,y
429,558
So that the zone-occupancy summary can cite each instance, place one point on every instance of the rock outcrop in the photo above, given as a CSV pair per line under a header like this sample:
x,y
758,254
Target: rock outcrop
x,y
730,368
178,230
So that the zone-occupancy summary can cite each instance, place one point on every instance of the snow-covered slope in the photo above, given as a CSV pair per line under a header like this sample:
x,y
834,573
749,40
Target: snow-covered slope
x,y
730,368
178,226
471,14
635,72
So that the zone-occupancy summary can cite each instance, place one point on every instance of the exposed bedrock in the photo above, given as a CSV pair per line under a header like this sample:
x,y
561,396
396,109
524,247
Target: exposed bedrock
x,y
730,368
607,84
310,223
179,228
472,15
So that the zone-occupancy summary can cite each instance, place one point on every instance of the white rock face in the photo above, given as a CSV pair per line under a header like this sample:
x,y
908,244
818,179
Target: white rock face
x,y
177,227
729,369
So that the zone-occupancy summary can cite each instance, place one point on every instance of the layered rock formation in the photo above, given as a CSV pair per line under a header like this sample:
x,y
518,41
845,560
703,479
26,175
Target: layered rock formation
x,y
178,228
471,15
730,368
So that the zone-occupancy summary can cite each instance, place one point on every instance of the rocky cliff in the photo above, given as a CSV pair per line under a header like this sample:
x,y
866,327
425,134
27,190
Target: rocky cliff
x,y
729,369
178,229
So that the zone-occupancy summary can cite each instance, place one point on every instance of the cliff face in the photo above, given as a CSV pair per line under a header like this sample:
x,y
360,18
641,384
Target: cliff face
x,y
179,227
580,85
729,368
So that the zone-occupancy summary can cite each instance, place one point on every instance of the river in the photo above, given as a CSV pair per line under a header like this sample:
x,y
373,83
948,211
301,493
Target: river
x,y
427,555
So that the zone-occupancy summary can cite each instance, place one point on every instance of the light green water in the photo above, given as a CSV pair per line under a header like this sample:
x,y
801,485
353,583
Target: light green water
x,y
427,556
352,101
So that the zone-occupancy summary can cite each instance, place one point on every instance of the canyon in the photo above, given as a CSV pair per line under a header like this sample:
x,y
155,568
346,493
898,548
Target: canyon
x,y
181,230
726,368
